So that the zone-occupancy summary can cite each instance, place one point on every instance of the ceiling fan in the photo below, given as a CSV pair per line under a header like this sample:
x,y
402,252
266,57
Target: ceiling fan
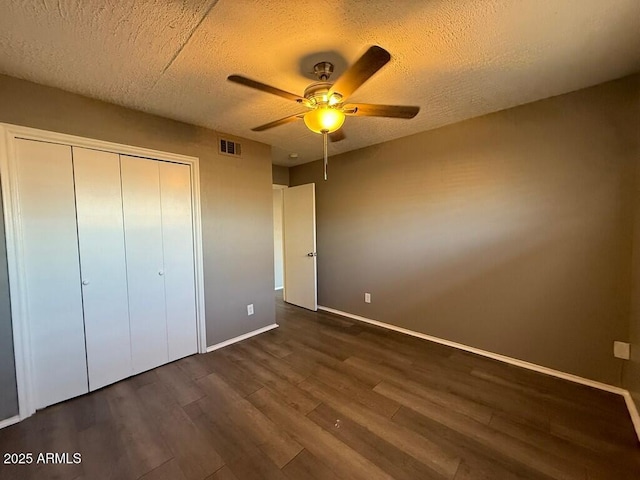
x,y
325,102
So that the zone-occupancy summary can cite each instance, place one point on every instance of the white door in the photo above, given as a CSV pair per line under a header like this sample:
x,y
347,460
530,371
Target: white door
x,y
299,213
51,271
179,269
145,263
102,265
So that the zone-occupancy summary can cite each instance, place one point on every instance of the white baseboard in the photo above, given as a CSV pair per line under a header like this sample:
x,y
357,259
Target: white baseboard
x,y
9,421
242,337
635,417
279,288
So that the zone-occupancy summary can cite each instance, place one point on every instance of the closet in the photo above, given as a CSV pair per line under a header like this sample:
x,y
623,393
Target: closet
x,y
108,265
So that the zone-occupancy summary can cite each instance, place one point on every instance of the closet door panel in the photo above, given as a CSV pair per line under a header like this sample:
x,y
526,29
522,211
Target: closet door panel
x,y
51,271
145,270
102,265
177,232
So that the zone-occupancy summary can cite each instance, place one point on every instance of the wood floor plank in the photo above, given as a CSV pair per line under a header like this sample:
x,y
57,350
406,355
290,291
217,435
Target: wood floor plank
x,y
195,366
493,396
182,388
242,381
347,463
53,432
359,345
600,464
418,447
167,471
588,436
601,427
250,350
228,440
194,454
256,466
60,437
307,360
401,341
140,436
327,319
305,465
412,348
223,474
475,410
334,348
273,348
561,405
104,454
533,457
357,391
142,379
386,455
479,461
288,392
326,398
596,400
277,444
89,411
380,370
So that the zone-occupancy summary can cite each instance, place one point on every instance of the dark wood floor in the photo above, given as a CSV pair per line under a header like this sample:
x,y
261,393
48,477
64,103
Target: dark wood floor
x,y
327,398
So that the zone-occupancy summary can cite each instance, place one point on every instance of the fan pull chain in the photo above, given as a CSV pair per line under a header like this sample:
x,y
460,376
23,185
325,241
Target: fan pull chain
x,y
326,146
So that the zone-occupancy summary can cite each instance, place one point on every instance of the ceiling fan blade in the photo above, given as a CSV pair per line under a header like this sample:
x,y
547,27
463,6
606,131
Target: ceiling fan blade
x,y
263,87
371,110
277,123
337,136
365,67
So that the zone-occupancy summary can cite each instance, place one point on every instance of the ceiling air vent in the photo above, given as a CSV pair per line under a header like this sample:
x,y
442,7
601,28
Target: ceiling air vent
x,y
227,147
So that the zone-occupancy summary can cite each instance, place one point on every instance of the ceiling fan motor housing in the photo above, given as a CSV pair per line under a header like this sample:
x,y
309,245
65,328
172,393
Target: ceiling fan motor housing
x,y
323,70
318,94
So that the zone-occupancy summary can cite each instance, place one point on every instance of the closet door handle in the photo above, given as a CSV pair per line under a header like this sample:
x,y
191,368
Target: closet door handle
x,y
85,282
161,272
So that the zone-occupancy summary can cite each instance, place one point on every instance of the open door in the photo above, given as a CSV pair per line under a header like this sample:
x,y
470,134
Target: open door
x,y
300,281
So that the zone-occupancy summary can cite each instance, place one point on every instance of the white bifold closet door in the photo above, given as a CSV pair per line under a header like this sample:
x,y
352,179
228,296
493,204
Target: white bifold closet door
x,y
145,262
179,261
160,269
102,266
51,271
108,266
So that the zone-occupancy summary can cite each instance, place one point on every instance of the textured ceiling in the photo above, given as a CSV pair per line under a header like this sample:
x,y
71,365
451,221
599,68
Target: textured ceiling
x,y
455,59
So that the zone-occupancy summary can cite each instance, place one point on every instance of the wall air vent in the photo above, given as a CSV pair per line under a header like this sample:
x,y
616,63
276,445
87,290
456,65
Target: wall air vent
x,y
227,147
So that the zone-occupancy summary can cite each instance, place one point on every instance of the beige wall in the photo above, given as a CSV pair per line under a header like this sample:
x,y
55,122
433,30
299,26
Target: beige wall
x,y
631,377
236,195
280,175
511,232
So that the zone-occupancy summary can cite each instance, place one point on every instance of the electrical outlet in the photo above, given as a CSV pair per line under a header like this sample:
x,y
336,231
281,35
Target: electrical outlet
x,y
367,298
250,309
621,350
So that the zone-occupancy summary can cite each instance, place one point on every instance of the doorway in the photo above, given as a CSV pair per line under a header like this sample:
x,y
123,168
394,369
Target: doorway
x,y
278,245
295,261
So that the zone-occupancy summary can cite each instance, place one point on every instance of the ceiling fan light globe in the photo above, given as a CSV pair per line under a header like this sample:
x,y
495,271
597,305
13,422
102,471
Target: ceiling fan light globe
x,y
324,120
334,99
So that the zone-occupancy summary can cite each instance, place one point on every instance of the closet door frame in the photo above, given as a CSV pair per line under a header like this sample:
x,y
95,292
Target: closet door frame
x,y
15,254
